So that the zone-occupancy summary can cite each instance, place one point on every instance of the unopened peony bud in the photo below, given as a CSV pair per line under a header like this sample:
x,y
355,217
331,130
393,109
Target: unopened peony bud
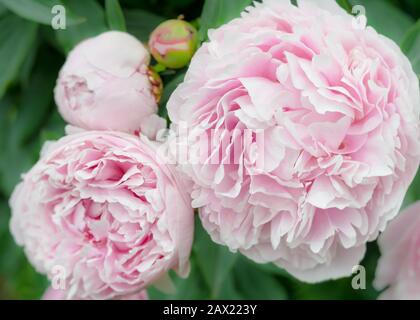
x,y
173,43
104,84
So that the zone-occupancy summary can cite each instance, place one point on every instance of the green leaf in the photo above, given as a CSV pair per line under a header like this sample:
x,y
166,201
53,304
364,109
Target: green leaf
x,y
6,106
115,15
3,9
16,37
94,25
218,12
38,10
23,116
14,162
214,261
272,269
53,130
411,46
29,284
142,23
21,280
10,254
36,99
49,37
180,3
386,18
28,64
413,193
6,111
229,291
254,284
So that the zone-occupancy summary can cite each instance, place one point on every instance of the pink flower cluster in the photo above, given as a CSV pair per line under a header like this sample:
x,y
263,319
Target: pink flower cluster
x,y
101,207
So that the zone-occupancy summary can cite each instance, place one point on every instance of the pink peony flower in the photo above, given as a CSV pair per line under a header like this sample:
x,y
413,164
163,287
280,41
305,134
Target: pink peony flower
x,y
338,108
105,85
173,43
399,266
102,213
56,294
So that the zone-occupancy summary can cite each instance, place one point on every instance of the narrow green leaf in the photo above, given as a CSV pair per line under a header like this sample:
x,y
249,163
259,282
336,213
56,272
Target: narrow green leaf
x,y
15,161
115,15
36,99
48,35
29,63
3,9
39,10
16,37
142,23
6,110
94,25
218,12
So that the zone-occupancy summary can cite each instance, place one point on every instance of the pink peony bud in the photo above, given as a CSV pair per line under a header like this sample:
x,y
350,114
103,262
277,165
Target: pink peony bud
x,y
104,84
173,43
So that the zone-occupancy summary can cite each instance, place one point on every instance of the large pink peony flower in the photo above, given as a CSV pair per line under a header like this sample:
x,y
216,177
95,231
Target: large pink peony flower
x,y
399,266
105,84
333,112
57,294
101,211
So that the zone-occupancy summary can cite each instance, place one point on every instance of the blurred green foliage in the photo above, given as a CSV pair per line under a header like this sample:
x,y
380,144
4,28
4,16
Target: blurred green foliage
x,y
31,54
